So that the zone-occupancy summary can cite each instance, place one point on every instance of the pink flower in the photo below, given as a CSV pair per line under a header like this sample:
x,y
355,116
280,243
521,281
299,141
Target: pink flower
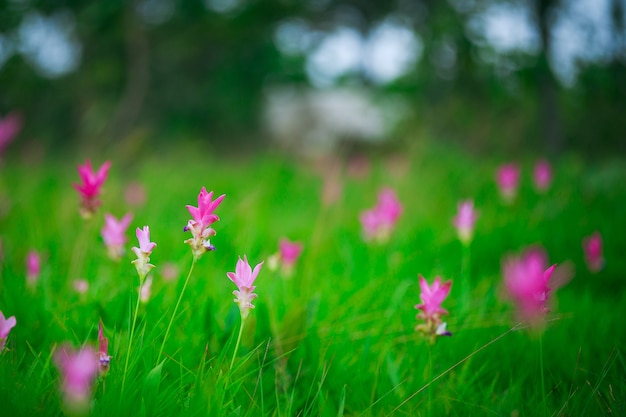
x,y
526,280
104,360
431,311
78,371
33,268
89,190
81,286
244,277
146,290
10,126
203,217
135,194
289,252
542,175
5,328
592,246
464,221
114,234
379,222
507,178
143,252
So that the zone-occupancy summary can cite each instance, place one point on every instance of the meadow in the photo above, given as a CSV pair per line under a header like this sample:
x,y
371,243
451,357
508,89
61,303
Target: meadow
x,y
336,336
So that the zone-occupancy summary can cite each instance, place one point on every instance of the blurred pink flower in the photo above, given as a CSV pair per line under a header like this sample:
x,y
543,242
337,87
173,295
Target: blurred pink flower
x,y
135,194
81,286
114,234
507,178
10,126
464,221
244,277
169,271
146,290
526,280
89,189
33,268
78,370
143,252
104,360
289,251
379,222
542,175
592,246
431,311
203,217
5,328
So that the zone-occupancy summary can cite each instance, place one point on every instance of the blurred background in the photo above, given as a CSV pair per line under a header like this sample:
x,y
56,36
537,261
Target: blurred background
x,y
537,76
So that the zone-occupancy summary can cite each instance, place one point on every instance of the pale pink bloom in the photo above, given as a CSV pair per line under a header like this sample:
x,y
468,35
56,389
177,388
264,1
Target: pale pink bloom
x,y
135,194
10,126
203,217
33,268
146,290
542,175
526,280
592,246
78,370
81,286
143,252
104,360
5,328
379,222
244,277
289,251
170,271
507,178
432,297
89,189
114,234
464,221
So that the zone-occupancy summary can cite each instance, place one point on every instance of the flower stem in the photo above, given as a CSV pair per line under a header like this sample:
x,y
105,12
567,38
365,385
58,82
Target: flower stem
x,y
132,330
543,383
232,362
180,297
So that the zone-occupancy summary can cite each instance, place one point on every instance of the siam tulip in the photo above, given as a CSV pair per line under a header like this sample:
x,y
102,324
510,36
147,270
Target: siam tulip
x,y
90,188
203,217
33,268
542,175
431,311
507,178
10,126
135,194
464,221
81,286
78,371
592,246
114,234
143,253
379,222
244,278
526,280
104,360
286,258
6,324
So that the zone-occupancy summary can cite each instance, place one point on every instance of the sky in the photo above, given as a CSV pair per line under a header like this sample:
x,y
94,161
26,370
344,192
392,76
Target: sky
x,y
388,51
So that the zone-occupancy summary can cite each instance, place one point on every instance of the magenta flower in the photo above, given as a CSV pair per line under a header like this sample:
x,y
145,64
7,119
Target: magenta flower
x,y
379,222
464,221
431,311
143,252
507,178
592,246
5,328
78,370
542,175
244,277
114,234
203,217
104,360
10,126
526,281
33,268
89,190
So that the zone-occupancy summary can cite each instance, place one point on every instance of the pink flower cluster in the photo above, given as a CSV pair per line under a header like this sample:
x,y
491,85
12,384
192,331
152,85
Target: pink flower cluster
x,y
432,297
78,369
114,234
244,278
91,185
378,223
592,246
464,221
143,252
203,218
6,324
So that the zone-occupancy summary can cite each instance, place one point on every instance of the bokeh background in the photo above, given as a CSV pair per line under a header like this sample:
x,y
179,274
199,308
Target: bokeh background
x,y
541,76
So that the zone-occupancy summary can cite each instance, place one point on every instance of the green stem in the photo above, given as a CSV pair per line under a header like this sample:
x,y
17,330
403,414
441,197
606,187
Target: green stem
x,y
232,362
543,383
132,330
465,278
428,379
180,297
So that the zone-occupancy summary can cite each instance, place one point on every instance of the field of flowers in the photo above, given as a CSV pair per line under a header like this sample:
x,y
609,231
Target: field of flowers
x,y
418,283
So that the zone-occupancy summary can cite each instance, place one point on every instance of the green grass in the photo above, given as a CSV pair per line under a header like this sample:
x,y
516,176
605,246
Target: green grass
x,y
336,339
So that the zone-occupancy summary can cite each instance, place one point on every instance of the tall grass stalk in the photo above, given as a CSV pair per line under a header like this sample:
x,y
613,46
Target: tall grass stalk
x,y
543,382
132,330
232,362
